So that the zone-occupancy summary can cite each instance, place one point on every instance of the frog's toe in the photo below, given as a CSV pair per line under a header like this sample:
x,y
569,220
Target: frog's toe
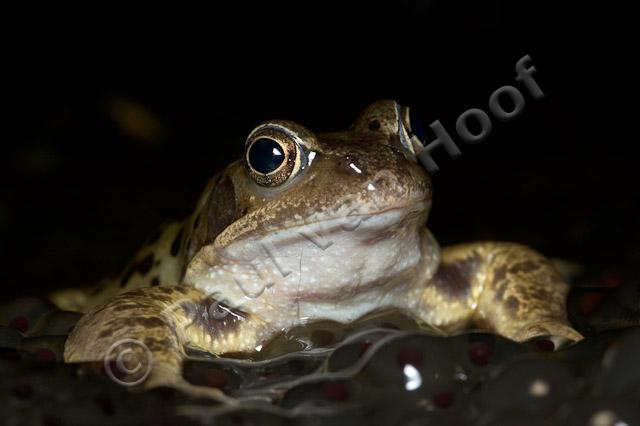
x,y
173,379
558,333
205,392
132,364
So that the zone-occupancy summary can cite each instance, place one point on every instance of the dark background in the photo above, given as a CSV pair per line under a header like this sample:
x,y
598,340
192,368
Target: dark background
x,y
119,115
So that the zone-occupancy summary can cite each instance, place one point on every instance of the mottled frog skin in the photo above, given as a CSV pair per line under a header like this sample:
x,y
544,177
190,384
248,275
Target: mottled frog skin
x,y
306,227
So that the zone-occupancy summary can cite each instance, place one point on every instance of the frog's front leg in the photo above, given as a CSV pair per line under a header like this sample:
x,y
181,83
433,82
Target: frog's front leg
x,y
150,329
506,288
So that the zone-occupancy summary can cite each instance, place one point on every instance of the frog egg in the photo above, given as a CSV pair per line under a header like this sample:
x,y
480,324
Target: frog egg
x,y
246,416
416,365
347,355
23,314
56,323
516,419
44,350
402,409
350,352
421,420
621,374
280,371
322,338
479,353
603,412
535,386
320,393
211,374
338,416
319,334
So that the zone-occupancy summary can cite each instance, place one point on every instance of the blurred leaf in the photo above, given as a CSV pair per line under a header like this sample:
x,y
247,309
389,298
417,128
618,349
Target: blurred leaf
x,y
135,120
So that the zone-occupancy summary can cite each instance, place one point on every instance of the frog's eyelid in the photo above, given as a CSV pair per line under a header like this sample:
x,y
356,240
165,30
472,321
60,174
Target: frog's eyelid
x,y
280,128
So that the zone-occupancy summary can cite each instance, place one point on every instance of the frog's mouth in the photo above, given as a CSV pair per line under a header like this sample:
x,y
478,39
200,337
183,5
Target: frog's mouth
x,y
379,223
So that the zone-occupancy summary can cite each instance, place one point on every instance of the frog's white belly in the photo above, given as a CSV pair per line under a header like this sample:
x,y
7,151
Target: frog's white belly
x,y
339,269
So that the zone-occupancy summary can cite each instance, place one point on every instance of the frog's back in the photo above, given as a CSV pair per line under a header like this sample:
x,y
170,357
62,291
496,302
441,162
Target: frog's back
x,y
158,262
162,259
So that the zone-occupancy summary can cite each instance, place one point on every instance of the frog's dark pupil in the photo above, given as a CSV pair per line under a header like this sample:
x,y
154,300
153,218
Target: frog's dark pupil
x,y
265,155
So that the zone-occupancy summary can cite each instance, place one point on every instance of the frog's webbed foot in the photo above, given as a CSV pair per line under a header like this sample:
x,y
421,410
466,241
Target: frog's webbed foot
x,y
506,288
171,378
132,364
557,332
523,296
141,336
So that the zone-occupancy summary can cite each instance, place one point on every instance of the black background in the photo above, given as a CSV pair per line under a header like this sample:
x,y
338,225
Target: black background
x,y
84,181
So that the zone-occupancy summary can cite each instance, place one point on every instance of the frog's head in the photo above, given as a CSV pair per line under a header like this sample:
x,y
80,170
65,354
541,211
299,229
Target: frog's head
x,y
312,217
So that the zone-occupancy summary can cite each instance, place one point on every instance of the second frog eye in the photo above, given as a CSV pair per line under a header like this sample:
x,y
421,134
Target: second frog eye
x,y
265,155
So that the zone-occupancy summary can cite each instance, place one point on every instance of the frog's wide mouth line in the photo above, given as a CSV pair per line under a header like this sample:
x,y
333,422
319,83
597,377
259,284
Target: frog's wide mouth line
x,y
369,221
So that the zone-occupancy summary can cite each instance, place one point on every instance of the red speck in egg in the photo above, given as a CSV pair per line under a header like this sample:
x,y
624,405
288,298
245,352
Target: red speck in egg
x,y
443,400
409,355
216,378
589,303
20,323
335,391
365,346
45,356
480,353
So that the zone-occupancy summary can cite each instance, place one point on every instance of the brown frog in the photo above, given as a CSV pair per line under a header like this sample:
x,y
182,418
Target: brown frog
x,y
307,227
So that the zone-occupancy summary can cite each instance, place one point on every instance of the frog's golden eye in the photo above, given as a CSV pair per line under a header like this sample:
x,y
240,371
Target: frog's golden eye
x,y
272,156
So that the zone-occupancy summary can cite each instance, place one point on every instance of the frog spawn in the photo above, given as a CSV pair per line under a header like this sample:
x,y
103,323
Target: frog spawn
x,y
384,369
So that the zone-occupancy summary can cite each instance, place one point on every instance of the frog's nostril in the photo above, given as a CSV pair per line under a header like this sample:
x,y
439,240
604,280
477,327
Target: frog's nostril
x,y
387,181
